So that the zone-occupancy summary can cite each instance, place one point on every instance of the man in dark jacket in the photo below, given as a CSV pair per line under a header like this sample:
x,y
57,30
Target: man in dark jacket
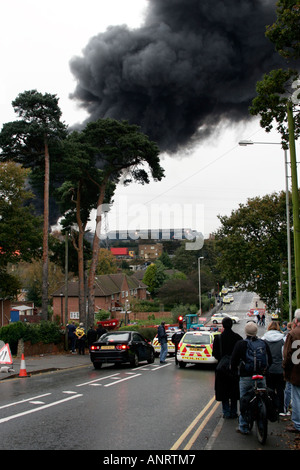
x,y
238,361
226,385
163,340
72,337
176,337
291,367
91,336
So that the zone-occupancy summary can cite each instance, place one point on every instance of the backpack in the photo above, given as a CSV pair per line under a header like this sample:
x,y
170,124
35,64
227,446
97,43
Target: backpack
x,y
256,357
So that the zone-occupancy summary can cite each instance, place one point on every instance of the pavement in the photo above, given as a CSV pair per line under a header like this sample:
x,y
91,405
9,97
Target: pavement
x,y
46,363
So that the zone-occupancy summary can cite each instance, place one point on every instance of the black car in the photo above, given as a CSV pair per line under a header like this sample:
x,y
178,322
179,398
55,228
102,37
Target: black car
x,y
120,347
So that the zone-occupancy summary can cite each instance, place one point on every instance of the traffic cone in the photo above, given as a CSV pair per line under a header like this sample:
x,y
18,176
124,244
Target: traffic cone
x,y
23,372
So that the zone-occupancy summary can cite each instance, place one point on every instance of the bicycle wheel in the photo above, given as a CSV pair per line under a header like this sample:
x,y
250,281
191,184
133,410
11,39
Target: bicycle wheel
x,y
261,421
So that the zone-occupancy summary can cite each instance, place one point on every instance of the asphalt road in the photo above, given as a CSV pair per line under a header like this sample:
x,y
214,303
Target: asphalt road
x,y
115,408
154,407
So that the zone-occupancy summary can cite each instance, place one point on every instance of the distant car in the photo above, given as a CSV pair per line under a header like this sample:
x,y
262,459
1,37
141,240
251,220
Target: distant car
x,y
228,299
171,346
196,348
120,347
218,317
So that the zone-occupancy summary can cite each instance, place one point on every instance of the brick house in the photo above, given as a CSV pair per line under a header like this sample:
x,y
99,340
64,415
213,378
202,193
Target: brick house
x,y
111,293
150,251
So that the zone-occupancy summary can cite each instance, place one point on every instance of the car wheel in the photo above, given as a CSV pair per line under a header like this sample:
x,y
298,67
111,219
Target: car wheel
x,y
151,358
215,321
97,365
181,364
134,362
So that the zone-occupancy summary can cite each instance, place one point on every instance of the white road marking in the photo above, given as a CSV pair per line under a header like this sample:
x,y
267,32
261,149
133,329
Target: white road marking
x,y
97,380
19,415
24,401
122,380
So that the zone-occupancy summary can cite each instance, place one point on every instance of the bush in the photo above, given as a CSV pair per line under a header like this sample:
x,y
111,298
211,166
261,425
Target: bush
x,y
148,333
146,306
102,315
183,310
45,332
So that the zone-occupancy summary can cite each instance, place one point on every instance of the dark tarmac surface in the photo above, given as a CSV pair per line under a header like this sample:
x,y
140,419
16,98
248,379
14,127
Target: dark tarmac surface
x,y
224,436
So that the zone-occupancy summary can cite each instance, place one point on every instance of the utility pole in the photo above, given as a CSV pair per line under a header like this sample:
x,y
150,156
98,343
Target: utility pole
x,y
295,200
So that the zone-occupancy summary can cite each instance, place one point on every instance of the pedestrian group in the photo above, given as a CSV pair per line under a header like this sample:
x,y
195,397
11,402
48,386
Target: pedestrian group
x,y
275,357
78,338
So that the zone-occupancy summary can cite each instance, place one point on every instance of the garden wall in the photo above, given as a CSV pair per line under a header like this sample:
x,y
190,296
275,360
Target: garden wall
x,y
38,349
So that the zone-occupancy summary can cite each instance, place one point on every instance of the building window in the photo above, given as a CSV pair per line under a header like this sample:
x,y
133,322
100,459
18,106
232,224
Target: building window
x,y
74,315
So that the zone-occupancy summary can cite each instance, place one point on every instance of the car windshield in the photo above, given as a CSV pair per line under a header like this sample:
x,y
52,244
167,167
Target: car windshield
x,y
111,337
197,339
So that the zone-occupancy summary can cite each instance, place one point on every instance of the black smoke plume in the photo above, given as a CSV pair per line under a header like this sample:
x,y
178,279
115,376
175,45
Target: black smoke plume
x,y
192,65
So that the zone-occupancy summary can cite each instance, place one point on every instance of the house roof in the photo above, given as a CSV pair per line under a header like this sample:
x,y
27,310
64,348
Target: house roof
x,y
105,285
22,308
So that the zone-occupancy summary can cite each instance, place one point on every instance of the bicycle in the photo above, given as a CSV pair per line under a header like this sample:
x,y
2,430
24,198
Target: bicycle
x,y
259,411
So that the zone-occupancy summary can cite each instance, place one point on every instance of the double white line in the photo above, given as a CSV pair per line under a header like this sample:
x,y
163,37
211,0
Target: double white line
x,y
194,423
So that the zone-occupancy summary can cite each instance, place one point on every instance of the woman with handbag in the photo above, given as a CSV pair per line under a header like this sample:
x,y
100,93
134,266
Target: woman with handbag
x,y
226,383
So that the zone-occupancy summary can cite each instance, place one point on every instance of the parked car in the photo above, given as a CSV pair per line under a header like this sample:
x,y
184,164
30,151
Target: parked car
x,y
120,347
196,347
218,317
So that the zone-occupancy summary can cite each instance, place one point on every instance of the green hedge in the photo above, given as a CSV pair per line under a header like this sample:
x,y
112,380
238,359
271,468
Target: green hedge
x,y
45,332
148,333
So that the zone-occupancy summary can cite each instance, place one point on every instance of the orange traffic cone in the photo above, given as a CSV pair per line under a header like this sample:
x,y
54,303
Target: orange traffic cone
x,y
23,372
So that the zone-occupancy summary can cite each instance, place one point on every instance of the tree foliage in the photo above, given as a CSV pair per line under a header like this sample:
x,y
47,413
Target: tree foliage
x,y
27,141
20,229
253,245
285,32
106,262
273,94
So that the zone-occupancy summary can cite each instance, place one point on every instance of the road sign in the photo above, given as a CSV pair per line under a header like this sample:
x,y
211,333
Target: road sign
x,y
5,355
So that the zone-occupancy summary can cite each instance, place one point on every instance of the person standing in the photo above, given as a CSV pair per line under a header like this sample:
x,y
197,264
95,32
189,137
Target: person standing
x,y
163,340
274,378
291,367
72,337
80,333
287,390
176,337
91,336
100,331
226,384
240,361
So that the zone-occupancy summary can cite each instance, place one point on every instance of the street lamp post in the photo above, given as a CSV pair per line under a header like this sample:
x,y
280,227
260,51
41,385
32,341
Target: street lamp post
x,y
250,142
199,272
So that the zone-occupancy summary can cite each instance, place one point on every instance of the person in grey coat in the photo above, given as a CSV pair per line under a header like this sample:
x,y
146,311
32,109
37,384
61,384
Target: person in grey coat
x,y
274,378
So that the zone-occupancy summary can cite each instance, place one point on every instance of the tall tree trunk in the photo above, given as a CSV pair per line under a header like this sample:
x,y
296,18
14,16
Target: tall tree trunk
x,y
93,266
45,234
81,229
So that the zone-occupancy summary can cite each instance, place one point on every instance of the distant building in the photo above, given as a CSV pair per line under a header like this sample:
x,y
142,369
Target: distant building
x,y
150,251
124,253
113,292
